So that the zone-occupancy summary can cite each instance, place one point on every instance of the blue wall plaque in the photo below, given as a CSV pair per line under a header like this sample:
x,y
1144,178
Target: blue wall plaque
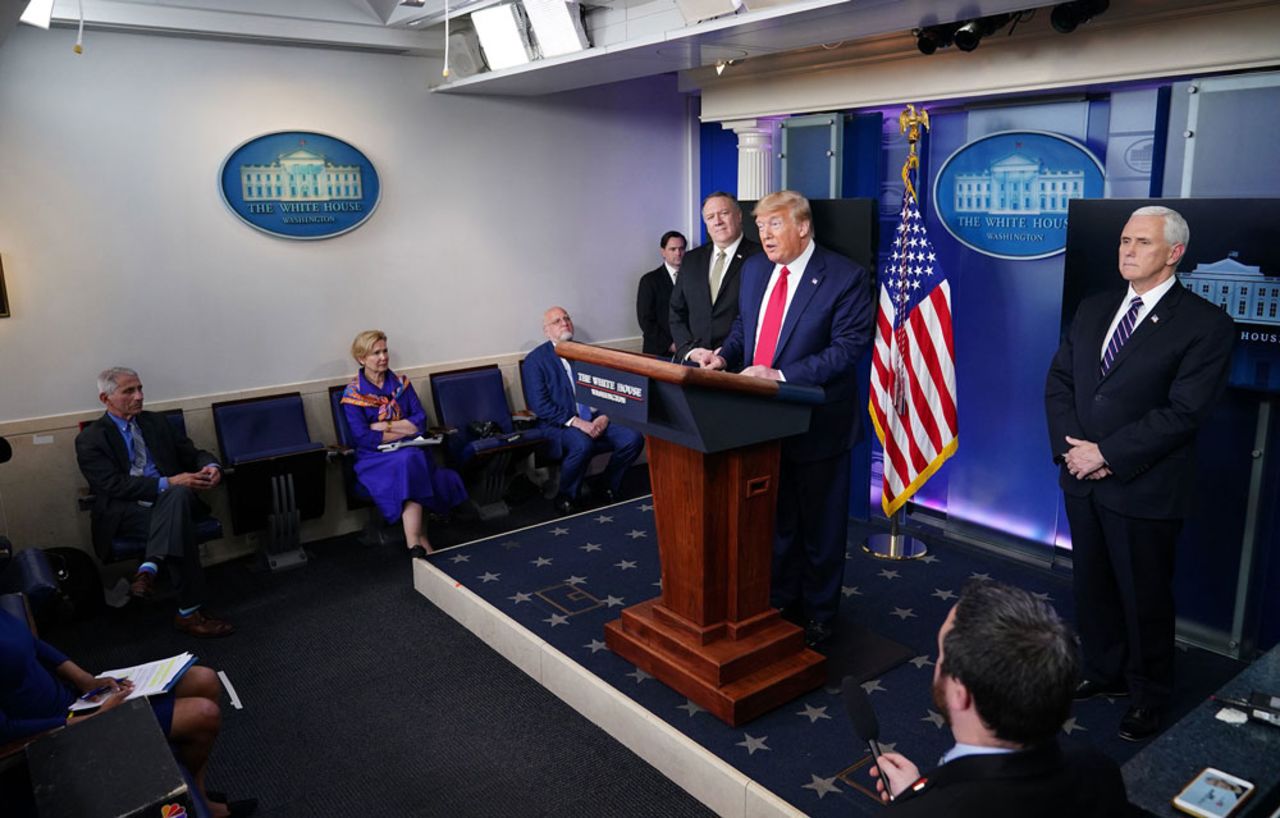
x,y
1006,194
299,185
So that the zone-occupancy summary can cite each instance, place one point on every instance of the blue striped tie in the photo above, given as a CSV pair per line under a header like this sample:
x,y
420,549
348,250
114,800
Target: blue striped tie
x,y
1122,333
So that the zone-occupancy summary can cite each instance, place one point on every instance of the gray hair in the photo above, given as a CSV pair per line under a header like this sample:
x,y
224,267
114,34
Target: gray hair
x,y
1176,230
109,379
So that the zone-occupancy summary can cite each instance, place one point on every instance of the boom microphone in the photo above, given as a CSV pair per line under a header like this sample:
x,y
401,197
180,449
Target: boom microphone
x,y
865,725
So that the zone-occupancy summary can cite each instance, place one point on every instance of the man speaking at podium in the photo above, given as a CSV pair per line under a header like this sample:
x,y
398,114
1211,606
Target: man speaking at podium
x,y
1130,385
805,318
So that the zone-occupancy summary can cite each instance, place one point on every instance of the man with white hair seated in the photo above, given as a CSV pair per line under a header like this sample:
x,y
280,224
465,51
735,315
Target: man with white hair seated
x,y
144,476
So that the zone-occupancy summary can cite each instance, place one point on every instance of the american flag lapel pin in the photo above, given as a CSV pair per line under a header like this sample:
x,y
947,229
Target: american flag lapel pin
x,y
1155,319
814,281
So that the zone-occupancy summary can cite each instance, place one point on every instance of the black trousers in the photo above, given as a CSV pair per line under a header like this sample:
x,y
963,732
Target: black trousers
x,y
170,532
1122,581
812,530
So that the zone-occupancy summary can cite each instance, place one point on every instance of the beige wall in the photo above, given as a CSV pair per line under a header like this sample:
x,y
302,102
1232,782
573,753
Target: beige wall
x,y
118,249
40,486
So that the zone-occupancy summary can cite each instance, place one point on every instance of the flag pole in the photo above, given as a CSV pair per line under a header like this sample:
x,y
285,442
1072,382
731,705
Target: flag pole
x,y
896,545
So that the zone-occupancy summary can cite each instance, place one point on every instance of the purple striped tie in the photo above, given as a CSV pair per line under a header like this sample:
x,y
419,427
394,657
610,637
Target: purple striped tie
x,y
1122,333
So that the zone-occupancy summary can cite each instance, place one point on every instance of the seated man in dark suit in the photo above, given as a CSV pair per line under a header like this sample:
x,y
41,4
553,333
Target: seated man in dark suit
x,y
1004,680
576,429
144,477
653,298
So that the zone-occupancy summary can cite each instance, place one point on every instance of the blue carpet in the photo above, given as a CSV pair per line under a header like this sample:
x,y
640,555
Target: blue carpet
x,y
565,579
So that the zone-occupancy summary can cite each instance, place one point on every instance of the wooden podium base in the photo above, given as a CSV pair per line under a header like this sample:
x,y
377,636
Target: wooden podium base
x,y
736,678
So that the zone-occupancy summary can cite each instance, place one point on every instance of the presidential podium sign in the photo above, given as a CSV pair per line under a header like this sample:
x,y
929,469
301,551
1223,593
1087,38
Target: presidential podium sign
x,y
713,443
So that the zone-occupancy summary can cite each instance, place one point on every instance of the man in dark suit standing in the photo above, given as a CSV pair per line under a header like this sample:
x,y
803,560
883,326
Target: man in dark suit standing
x,y
1135,377
704,301
1003,681
144,476
653,300
805,318
576,431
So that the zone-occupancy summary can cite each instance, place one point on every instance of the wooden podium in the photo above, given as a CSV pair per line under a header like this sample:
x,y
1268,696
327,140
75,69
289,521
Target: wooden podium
x,y
713,443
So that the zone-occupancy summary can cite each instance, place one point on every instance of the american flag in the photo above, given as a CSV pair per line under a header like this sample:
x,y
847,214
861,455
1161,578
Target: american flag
x,y
913,376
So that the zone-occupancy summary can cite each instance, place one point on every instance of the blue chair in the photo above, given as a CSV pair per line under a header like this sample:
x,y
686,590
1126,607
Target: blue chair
x,y
357,495
26,576
125,548
464,400
275,471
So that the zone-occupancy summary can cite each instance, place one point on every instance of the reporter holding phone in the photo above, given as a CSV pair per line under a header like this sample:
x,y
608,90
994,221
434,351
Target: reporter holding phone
x,y
1004,678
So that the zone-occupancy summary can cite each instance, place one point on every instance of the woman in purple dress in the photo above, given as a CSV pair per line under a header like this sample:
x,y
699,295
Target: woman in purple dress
x,y
381,407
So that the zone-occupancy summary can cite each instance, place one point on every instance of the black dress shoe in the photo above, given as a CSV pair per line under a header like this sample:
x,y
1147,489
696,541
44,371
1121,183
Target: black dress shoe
x,y
1140,723
793,614
143,586
607,497
1089,688
564,504
418,553
816,634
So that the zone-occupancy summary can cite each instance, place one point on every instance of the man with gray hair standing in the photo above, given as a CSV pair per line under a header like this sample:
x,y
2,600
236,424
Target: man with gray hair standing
x,y
144,476
1135,377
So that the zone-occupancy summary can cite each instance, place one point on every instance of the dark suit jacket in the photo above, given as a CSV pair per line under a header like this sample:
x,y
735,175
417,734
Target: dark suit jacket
x,y
695,321
1043,782
547,390
1144,414
826,331
653,311
104,461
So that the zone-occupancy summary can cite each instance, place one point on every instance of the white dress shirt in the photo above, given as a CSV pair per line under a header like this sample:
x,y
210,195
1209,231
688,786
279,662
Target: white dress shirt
x,y
795,275
1149,300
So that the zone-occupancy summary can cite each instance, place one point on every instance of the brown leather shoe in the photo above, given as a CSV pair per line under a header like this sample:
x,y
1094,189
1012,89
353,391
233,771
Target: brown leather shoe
x,y
201,625
143,585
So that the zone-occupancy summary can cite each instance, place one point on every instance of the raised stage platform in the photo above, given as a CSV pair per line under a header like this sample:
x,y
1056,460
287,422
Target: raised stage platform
x,y
541,597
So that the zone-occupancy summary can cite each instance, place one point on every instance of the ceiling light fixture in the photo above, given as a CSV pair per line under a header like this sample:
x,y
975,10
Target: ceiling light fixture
x,y
503,37
557,26
971,32
38,13
930,39
1065,17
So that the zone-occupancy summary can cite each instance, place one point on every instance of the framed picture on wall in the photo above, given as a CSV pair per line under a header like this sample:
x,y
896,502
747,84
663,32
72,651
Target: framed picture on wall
x,y
4,296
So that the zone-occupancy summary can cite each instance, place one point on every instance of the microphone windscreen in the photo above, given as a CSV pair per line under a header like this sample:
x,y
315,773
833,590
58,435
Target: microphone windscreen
x,y
861,713
6,451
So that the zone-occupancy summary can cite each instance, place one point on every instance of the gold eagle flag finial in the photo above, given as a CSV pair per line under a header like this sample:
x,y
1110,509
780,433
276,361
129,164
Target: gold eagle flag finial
x,y
909,123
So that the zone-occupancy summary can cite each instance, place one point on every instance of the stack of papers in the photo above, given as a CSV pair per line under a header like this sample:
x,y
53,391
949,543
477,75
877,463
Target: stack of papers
x,y
148,680
411,441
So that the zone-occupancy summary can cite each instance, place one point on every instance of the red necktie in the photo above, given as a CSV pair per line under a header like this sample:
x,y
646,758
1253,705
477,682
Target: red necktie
x,y
767,343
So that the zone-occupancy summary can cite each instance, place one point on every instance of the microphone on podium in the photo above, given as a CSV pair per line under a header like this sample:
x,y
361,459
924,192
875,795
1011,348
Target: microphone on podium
x,y
865,725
